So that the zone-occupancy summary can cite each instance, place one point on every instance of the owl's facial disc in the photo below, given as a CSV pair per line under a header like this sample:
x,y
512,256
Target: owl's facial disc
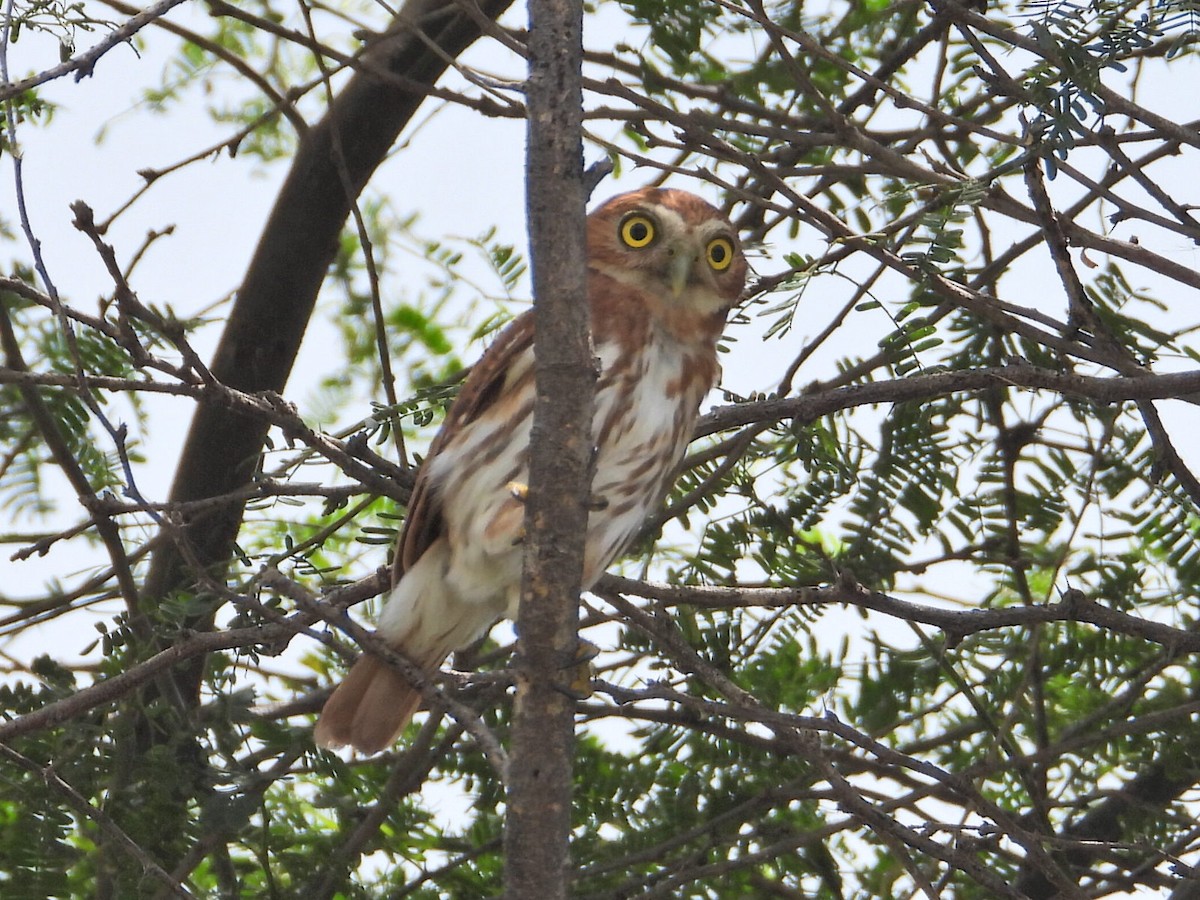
x,y
683,257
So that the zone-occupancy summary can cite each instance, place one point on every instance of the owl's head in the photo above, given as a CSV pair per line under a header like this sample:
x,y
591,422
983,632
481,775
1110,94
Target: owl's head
x,y
670,244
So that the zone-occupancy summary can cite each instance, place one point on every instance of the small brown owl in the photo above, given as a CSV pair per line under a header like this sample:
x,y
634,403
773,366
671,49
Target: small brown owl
x,y
664,269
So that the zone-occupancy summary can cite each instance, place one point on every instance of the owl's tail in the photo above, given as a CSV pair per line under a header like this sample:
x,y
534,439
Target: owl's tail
x,y
369,708
424,621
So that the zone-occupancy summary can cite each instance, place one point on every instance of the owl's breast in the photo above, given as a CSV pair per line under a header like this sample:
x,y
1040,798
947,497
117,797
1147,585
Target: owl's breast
x,y
645,410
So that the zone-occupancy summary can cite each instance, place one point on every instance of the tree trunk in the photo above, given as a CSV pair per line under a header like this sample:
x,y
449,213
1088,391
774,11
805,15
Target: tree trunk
x,y
538,824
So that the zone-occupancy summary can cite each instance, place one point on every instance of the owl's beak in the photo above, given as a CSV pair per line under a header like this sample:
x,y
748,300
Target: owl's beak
x,y
679,272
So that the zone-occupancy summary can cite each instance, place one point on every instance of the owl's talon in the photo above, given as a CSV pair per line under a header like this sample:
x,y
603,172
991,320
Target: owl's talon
x,y
585,652
580,687
520,492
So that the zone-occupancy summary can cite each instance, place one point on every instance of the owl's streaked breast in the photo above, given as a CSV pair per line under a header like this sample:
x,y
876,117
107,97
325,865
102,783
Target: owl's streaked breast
x,y
645,415
645,410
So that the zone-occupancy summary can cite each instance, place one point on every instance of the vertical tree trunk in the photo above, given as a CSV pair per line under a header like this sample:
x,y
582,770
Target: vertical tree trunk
x,y
540,771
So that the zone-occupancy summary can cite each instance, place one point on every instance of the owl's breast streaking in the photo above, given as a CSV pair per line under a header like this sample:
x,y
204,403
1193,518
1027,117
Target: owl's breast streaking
x,y
646,406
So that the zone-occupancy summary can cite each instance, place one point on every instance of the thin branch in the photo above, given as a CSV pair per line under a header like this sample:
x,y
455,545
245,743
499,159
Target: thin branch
x,y
956,623
809,407
83,63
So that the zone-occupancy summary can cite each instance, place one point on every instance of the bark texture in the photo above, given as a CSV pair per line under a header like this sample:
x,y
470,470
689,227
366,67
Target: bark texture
x,y
538,824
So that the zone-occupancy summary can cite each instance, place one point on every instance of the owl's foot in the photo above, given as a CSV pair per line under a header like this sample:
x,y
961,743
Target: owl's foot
x,y
582,671
520,492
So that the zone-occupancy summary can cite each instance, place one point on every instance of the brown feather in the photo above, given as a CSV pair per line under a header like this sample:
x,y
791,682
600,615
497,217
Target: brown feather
x,y
423,525
369,708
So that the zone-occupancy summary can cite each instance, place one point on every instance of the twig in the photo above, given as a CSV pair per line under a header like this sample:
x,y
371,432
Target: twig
x,y
83,63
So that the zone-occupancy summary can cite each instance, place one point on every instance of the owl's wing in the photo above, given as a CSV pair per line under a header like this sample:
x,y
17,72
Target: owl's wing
x,y
484,386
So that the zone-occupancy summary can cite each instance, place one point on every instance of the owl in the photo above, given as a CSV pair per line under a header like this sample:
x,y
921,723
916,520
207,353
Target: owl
x,y
664,269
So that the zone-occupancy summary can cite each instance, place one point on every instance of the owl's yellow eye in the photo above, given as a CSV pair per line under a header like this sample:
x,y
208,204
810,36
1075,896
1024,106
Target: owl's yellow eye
x,y
720,253
637,231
